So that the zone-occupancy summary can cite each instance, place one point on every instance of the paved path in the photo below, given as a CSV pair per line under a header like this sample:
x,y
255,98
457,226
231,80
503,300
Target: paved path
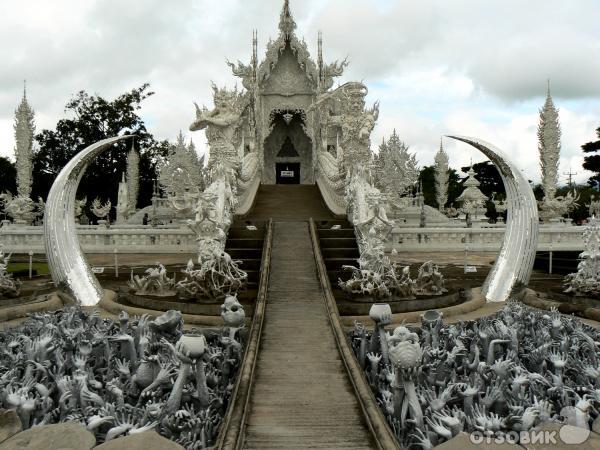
x,y
302,396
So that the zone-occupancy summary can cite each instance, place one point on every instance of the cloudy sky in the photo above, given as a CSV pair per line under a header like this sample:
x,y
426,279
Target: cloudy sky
x,y
437,66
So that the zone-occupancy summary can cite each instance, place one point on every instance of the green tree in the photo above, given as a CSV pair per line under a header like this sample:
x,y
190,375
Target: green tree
x,y
93,119
592,162
427,179
8,176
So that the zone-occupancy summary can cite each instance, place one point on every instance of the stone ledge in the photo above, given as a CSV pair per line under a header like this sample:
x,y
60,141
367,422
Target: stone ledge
x,y
62,436
52,302
142,441
476,301
109,304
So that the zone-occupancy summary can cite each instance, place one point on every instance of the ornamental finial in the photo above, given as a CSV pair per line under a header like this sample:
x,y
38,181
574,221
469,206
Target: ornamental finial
x,y
286,21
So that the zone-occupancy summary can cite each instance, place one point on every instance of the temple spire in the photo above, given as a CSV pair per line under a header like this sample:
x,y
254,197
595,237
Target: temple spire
x,y
320,54
441,177
286,20
254,61
549,145
24,132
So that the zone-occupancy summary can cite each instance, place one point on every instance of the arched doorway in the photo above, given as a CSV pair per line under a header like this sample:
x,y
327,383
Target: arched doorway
x,y
288,150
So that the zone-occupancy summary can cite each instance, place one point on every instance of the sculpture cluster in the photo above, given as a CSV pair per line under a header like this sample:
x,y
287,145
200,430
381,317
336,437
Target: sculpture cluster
x,y
22,209
586,281
504,373
9,287
122,377
216,276
376,276
155,282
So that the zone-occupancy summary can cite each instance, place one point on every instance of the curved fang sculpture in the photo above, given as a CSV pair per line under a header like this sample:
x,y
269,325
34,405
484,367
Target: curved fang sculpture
x,y
512,269
66,262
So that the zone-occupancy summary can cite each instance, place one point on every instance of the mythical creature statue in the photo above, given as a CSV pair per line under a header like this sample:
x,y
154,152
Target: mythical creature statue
x,y
430,280
354,121
9,287
22,209
559,206
222,124
99,210
120,377
496,376
155,282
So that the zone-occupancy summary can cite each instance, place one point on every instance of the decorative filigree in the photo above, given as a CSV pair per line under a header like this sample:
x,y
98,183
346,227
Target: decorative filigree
x,y
9,287
396,170
182,176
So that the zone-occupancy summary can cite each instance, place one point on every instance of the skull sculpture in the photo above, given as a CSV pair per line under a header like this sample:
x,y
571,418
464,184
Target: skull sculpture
x,y
232,312
404,348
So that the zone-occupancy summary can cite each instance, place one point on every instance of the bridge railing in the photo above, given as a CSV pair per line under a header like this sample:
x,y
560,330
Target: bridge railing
x,y
179,239
478,239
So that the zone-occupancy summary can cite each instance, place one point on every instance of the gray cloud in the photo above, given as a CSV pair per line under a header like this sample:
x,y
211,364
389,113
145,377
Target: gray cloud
x,y
427,61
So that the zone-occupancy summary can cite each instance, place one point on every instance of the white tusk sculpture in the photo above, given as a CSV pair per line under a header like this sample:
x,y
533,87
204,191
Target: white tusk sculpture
x,y
66,262
512,269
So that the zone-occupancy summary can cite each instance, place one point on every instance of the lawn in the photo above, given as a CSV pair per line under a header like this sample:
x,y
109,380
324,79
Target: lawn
x,y
42,268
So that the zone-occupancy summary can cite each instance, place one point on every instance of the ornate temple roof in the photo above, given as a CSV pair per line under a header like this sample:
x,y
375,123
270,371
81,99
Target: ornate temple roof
x,y
256,74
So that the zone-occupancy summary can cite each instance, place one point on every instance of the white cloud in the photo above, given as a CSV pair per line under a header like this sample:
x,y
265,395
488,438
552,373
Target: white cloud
x,y
463,67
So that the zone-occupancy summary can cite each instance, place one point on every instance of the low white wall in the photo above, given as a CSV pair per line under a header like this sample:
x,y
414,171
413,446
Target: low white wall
x,y
146,239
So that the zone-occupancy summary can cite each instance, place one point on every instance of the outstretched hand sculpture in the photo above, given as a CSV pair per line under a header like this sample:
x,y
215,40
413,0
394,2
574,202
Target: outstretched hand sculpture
x,y
119,377
497,375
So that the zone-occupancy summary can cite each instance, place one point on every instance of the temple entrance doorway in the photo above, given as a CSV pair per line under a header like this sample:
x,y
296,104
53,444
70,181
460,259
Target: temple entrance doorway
x,y
287,173
288,150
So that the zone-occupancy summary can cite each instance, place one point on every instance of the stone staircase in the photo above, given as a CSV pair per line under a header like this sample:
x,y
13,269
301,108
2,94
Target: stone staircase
x,y
288,203
302,396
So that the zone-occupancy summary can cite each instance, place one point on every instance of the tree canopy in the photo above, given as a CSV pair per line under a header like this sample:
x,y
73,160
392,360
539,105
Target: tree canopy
x,y
8,175
592,162
95,118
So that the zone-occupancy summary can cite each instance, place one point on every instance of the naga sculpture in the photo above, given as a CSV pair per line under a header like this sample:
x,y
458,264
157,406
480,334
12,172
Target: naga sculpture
x,y
120,377
496,376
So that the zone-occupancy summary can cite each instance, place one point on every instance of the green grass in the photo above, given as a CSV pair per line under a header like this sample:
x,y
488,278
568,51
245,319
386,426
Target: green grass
x,y
42,268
